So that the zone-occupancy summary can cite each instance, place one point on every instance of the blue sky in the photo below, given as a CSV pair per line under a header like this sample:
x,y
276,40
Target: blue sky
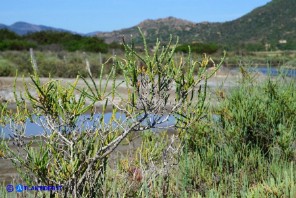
x,y
86,16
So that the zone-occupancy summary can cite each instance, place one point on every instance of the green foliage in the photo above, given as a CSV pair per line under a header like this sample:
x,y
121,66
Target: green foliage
x,y
64,152
75,156
6,68
115,45
69,41
56,64
16,45
11,41
261,115
200,133
290,45
216,168
50,37
198,48
8,35
151,149
253,47
48,40
216,160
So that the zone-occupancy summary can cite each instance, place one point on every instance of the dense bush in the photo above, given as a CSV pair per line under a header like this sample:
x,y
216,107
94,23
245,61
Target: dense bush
x,y
253,47
8,35
48,40
69,41
75,156
198,48
11,41
50,37
6,68
261,115
16,45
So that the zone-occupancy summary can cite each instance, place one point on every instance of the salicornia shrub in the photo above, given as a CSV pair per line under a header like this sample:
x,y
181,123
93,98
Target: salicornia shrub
x,y
261,114
74,154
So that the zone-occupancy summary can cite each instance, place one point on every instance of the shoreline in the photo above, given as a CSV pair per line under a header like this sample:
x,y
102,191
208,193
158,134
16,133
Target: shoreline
x,y
227,78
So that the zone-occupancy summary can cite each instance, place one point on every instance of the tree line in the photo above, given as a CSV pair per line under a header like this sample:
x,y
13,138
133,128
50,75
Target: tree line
x,y
52,40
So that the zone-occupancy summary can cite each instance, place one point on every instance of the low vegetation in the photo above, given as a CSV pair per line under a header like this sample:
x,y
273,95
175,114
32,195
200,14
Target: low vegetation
x,y
242,147
56,64
70,64
55,41
198,48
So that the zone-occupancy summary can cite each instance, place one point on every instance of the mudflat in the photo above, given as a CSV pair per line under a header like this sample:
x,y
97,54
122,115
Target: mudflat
x,y
8,85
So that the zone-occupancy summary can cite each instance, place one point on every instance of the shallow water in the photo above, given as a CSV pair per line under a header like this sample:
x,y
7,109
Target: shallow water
x,y
274,71
84,122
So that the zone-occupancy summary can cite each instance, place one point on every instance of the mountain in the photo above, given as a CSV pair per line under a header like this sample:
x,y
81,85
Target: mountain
x,y
161,29
270,23
22,28
92,33
2,26
273,24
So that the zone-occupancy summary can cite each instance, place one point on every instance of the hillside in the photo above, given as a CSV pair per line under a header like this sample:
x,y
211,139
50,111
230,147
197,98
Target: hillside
x,y
267,24
162,29
2,26
23,28
272,25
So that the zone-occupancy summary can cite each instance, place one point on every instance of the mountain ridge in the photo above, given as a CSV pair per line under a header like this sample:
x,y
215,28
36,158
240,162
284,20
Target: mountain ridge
x,y
23,28
268,24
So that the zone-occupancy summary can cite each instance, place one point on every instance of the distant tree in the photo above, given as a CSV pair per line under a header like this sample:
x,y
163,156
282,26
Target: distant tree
x,y
252,47
16,45
5,34
69,41
198,48
11,41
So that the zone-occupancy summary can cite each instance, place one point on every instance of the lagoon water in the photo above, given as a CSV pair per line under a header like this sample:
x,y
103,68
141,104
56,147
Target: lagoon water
x,y
274,71
84,122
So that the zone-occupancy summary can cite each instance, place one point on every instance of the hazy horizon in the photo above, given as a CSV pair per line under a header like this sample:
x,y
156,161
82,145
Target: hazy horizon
x,y
90,16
